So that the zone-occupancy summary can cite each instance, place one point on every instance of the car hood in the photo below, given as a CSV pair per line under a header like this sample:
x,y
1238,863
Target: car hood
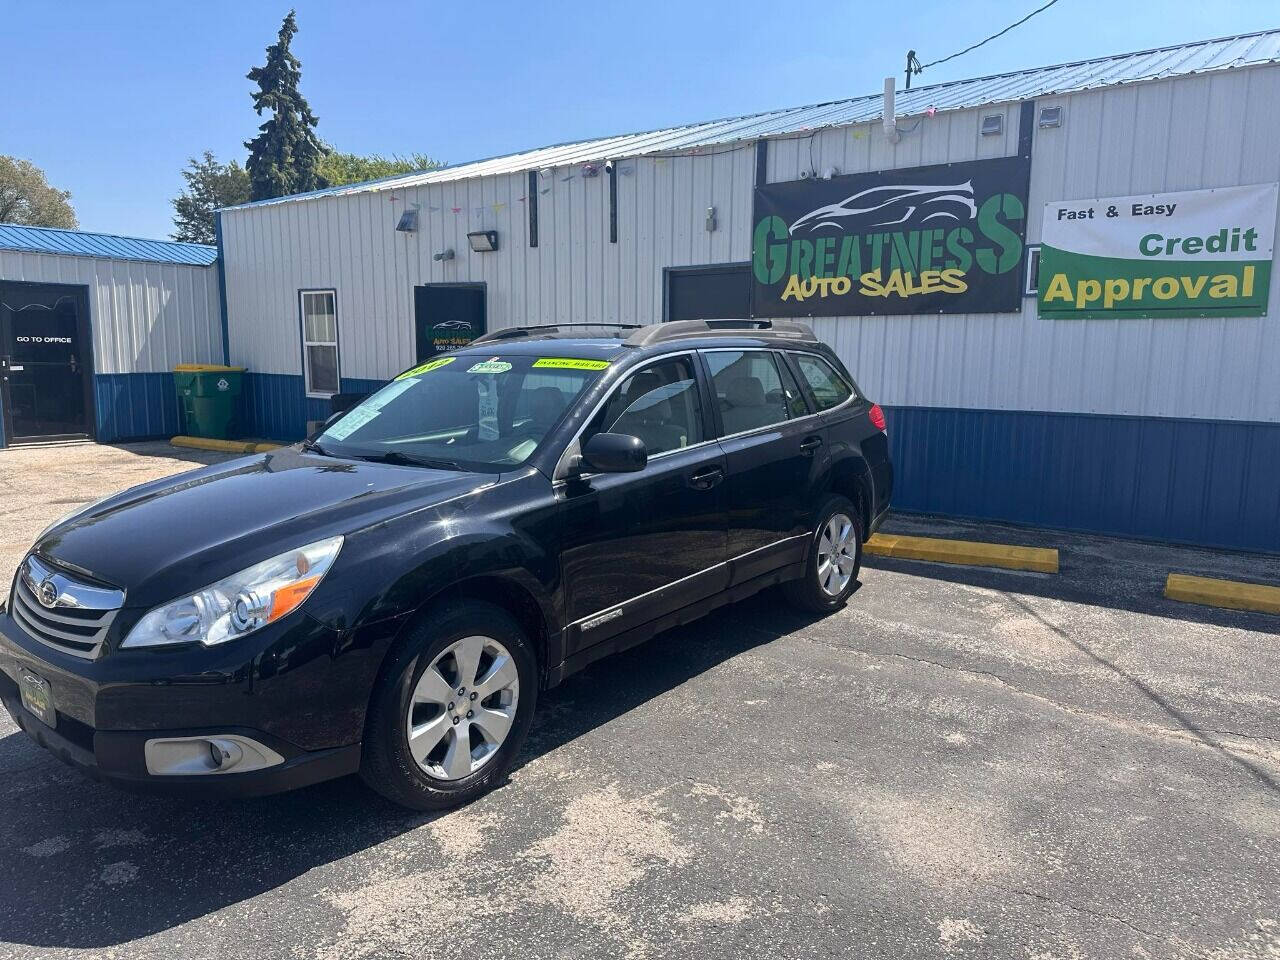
x,y
173,536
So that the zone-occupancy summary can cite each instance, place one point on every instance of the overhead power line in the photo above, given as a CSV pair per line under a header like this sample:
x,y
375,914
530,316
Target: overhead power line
x,y
914,66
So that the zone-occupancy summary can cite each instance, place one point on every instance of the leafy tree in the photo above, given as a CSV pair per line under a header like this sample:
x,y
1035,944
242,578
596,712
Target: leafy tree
x,y
210,185
284,156
339,168
27,199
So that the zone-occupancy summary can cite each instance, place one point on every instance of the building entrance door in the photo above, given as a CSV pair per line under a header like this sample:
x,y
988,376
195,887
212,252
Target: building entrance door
x,y
46,362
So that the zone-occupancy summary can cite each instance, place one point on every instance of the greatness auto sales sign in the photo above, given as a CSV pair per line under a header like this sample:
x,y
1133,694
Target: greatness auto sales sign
x,y
944,239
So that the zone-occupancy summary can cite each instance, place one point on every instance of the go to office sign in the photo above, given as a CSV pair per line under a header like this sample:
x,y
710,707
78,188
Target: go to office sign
x,y
1198,253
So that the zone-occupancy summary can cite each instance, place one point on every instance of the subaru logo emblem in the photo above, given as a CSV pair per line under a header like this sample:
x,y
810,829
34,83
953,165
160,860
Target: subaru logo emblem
x,y
47,594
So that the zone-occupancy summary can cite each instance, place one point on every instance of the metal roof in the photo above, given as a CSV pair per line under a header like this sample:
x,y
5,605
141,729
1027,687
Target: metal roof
x,y
77,243
1202,56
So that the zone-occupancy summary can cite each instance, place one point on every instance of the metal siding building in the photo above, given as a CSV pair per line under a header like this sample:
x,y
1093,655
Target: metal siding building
x,y
149,305
1163,428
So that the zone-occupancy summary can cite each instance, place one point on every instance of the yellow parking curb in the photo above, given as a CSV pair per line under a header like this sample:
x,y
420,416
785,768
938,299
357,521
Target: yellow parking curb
x,y
1222,593
223,446
1040,559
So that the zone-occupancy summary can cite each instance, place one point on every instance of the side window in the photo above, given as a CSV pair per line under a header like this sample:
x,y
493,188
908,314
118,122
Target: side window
x,y
659,404
750,390
829,388
320,342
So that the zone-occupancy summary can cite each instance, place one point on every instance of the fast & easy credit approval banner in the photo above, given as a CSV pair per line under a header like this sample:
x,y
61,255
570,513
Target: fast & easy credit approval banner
x,y
940,239
1197,253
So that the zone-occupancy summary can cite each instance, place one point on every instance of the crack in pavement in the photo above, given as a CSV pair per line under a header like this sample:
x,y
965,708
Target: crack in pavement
x,y
1190,737
1101,915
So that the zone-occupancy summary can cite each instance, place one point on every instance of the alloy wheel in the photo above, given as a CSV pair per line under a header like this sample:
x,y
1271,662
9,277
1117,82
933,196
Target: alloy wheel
x,y
462,708
837,555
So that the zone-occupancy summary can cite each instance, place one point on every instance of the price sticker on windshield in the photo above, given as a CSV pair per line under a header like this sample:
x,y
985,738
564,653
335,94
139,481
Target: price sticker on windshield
x,y
490,366
352,422
426,367
570,363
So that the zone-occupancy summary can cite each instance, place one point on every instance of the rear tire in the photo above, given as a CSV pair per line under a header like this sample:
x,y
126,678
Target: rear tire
x,y
833,561
441,739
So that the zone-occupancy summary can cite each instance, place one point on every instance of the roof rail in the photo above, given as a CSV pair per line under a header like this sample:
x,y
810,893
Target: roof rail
x,y
677,329
550,330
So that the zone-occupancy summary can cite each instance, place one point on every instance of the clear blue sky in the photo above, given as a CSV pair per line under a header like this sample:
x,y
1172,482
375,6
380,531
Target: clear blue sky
x,y
111,98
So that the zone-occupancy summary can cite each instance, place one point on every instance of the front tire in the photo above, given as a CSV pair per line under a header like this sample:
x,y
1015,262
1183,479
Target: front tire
x,y
451,708
834,559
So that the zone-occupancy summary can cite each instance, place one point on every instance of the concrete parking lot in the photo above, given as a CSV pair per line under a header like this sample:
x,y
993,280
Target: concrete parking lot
x,y
963,763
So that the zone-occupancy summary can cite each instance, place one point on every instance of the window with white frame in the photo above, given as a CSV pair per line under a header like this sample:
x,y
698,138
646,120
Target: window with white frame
x,y
320,342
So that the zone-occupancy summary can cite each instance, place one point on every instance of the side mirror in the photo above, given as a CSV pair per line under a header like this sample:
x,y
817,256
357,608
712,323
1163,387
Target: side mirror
x,y
614,453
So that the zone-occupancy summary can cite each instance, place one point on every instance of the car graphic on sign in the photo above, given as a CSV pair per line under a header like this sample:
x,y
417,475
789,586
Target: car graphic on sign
x,y
893,205
452,325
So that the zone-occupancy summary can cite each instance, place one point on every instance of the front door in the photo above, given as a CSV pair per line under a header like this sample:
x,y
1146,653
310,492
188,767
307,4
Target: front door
x,y
46,362
447,316
641,545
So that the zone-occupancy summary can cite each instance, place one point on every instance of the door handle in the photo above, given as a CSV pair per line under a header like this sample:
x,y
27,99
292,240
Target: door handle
x,y
706,479
809,444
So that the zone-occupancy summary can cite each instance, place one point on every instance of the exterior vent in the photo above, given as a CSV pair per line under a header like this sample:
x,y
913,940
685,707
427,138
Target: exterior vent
x,y
993,125
1050,117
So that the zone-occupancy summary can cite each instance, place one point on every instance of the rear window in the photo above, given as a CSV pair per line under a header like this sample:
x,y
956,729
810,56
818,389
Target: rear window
x,y
828,387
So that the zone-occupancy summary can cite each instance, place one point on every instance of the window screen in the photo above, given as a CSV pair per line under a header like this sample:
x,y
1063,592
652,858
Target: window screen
x,y
320,342
829,388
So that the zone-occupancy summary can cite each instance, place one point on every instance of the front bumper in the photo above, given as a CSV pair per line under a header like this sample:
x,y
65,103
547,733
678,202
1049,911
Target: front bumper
x,y
298,688
116,757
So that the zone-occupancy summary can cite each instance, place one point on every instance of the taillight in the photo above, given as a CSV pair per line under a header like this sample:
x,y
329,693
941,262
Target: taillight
x,y
877,416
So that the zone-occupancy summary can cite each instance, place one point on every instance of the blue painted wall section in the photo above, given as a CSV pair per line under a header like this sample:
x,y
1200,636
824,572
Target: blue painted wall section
x,y
275,406
1207,482
135,406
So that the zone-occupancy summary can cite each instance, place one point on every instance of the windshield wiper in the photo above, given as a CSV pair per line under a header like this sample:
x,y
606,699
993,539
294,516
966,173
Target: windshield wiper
x,y
310,446
412,460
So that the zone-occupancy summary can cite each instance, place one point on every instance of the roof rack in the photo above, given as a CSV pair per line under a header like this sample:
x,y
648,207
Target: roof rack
x,y
553,330
677,329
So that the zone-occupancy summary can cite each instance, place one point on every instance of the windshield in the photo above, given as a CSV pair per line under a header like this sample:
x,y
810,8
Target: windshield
x,y
464,412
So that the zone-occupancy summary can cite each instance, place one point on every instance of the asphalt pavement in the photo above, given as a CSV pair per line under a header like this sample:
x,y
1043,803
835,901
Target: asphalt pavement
x,y
962,763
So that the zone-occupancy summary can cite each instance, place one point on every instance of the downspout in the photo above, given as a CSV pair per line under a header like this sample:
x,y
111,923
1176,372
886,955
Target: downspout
x,y
222,290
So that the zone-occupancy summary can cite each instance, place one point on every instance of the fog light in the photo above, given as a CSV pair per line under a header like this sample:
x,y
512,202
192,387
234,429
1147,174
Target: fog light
x,y
200,756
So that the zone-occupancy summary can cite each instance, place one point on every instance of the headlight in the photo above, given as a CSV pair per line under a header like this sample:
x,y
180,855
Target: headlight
x,y
240,604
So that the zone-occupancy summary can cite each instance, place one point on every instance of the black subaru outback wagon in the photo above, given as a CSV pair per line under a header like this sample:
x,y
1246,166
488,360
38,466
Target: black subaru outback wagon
x,y
391,596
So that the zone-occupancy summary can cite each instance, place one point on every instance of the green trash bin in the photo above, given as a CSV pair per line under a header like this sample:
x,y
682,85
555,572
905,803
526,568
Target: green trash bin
x,y
208,395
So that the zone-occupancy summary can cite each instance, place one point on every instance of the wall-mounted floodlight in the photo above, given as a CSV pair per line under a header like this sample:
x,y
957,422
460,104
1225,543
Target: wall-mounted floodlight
x,y
1050,117
408,221
993,125
483,241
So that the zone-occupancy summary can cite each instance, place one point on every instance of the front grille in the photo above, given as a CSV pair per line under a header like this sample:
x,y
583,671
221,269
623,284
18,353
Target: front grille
x,y
81,615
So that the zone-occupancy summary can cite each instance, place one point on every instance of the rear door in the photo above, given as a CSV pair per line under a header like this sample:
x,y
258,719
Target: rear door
x,y
850,432
641,545
775,454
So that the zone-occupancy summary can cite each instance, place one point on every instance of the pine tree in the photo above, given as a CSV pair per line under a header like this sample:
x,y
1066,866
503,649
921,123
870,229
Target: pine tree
x,y
284,155
210,186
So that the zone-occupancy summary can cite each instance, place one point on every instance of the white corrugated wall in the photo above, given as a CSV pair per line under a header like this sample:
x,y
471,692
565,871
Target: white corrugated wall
x,y
145,317
1216,129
